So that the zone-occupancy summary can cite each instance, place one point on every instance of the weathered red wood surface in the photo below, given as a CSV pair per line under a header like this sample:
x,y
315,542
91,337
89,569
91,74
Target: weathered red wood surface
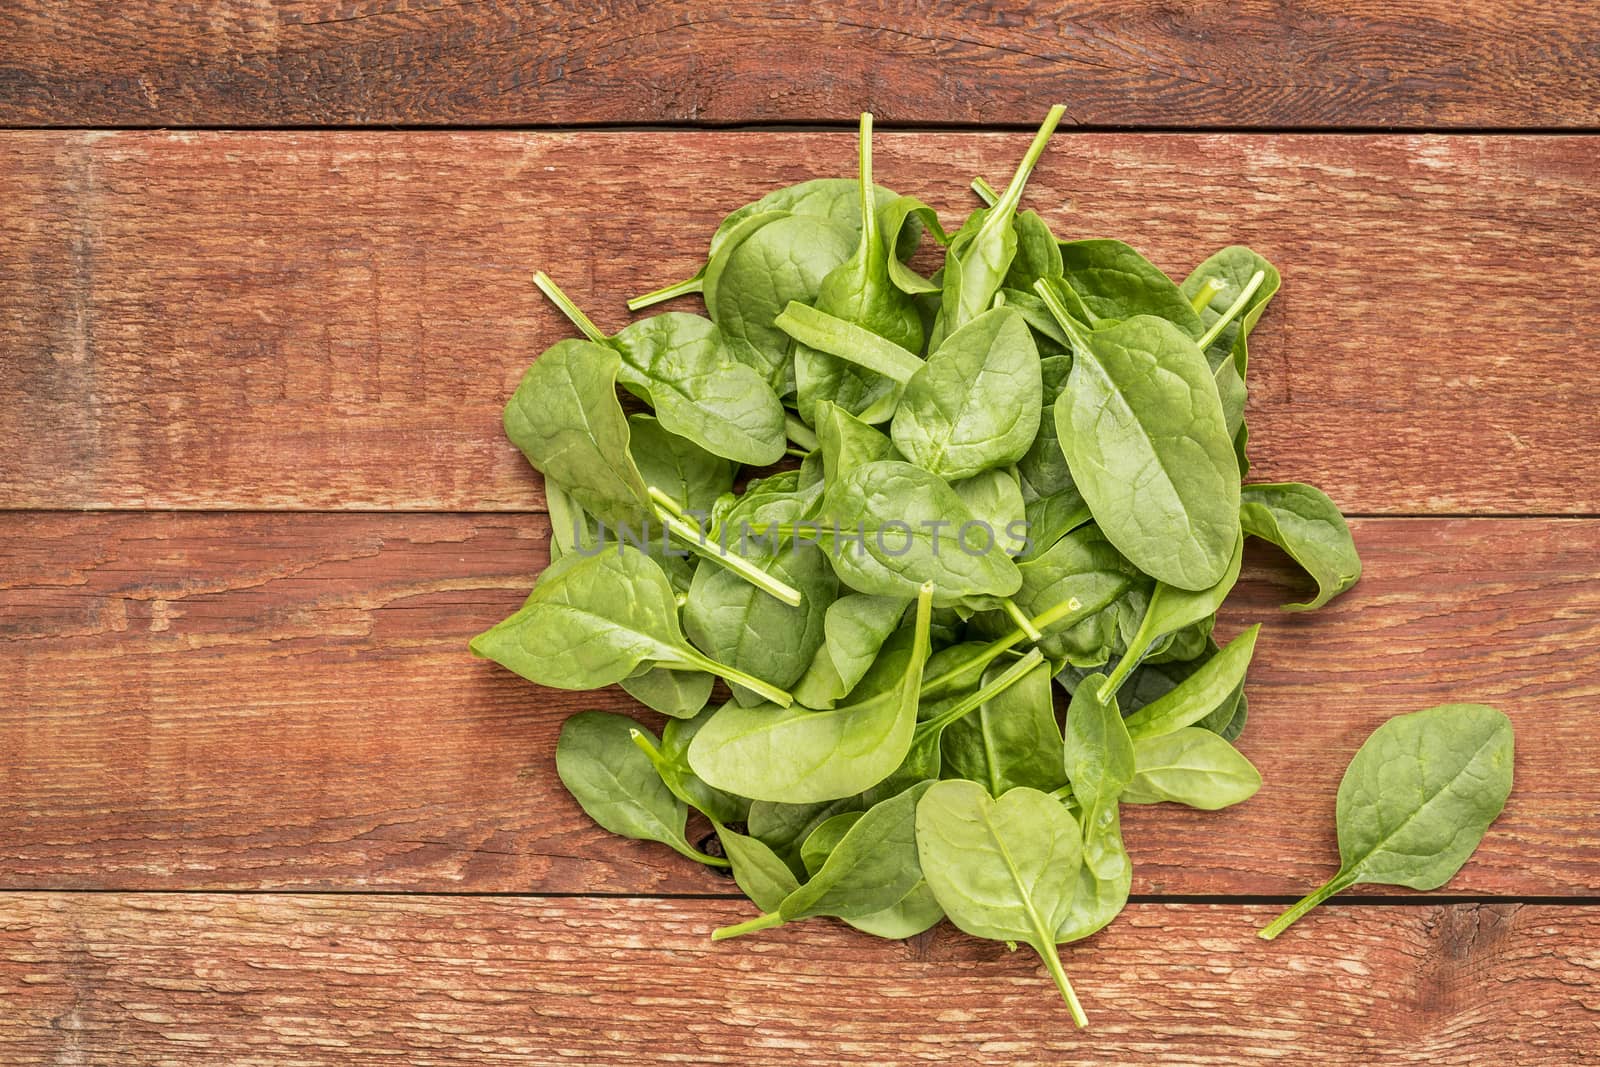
x,y
274,980
1429,63
270,701
334,320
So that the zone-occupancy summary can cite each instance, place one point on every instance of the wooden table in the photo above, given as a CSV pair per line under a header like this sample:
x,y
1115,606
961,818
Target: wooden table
x,y
265,285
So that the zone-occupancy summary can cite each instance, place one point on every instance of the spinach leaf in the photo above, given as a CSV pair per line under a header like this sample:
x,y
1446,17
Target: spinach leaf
x,y
1099,754
758,871
860,291
1011,740
672,763
677,466
975,404
617,785
1215,684
679,365
1301,520
592,621
995,499
1190,766
1113,281
1416,800
1003,869
565,418
797,755
1171,609
1142,429
854,628
889,527
737,624
847,442
872,868
1220,280
680,694
769,260
980,254
913,913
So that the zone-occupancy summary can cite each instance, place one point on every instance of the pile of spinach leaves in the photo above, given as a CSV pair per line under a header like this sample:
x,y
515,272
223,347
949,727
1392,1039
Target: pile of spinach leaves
x,y
888,750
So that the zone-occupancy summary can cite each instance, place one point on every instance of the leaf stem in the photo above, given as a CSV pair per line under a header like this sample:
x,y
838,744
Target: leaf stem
x,y
847,341
800,433
1233,310
1202,297
869,194
761,922
572,311
1004,208
985,191
765,690
1013,674
1338,883
1022,621
1052,963
696,541
992,651
667,292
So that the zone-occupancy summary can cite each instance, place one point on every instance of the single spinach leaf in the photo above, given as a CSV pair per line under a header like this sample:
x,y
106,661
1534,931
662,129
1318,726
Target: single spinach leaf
x,y
1416,800
1215,684
592,621
679,365
872,868
846,442
913,913
1099,754
617,785
758,871
1011,740
1190,766
680,694
1038,253
890,527
975,404
1003,869
854,630
1301,520
1142,429
565,418
1113,281
796,755
980,254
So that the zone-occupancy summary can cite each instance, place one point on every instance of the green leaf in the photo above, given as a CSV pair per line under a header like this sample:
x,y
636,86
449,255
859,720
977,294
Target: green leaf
x,y
1416,800
1113,281
1190,766
796,755
1214,684
1301,520
1003,869
1099,754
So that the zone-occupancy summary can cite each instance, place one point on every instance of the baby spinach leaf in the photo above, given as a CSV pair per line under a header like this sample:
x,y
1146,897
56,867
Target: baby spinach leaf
x,y
1215,684
1003,869
873,867
1115,282
1038,253
1301,520
617,785
890,527
758,871
854,629
1011,740
1142,429
797,755
672,763
979,256
755,275
1099,754
975,404
1190,766
679,365
593,621
846,442
735,623
677,466
1170,610
681,694
859,291
1416,800
565,418
1221,279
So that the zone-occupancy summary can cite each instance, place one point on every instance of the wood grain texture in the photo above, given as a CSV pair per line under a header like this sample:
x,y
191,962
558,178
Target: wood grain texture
x,y
285,701
334,320
1430,63
286,980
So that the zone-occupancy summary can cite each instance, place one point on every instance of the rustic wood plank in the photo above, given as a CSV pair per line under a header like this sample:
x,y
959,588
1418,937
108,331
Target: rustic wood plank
x,y
334,320
1432,63
270,701
105,979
